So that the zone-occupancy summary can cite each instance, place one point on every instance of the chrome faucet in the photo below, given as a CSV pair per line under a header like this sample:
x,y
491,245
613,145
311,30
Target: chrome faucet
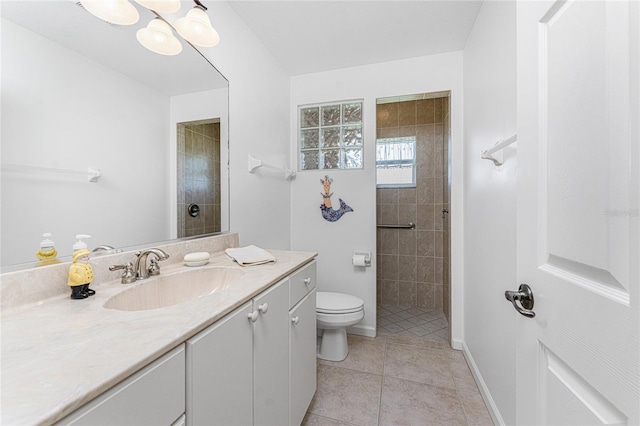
x,y
140,267
102,248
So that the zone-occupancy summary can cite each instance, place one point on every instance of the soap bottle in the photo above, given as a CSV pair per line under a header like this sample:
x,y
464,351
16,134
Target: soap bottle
x,y
47,253
80,272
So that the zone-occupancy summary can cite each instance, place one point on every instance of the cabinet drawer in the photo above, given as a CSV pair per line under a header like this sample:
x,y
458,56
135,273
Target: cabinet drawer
x,y
153,396
301,283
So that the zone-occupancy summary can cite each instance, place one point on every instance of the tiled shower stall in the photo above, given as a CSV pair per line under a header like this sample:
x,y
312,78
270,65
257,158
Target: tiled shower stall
x,y
198,177
413,264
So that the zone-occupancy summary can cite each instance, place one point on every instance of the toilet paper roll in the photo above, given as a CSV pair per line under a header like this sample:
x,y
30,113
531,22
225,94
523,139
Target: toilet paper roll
x,y
359,260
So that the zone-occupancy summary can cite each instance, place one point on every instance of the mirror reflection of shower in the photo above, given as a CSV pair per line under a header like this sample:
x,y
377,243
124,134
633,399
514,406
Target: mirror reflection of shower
x,y
198,177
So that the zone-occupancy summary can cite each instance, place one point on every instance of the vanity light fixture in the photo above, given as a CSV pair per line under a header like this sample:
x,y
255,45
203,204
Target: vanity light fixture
x,y
161,6
196,27
119,12
158,38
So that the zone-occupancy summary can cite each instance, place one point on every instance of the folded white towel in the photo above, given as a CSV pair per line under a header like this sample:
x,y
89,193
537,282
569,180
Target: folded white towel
x,y
250,255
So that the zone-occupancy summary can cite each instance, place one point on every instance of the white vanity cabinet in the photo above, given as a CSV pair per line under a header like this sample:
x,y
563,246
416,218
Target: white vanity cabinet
x,y
220,373
302,342
238,368
271,356
154,395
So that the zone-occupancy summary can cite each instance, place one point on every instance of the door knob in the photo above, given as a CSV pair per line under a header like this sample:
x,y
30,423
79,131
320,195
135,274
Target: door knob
x,y
522,300
263,308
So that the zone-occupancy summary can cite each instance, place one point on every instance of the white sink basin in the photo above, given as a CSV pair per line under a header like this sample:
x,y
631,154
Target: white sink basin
x,y
168,290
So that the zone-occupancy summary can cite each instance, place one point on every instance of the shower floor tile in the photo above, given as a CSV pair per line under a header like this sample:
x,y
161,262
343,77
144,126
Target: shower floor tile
x,y
411,321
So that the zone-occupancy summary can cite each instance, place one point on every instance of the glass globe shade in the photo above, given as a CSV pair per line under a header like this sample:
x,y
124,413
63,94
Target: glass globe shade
x,y
196,28
158,38
119,12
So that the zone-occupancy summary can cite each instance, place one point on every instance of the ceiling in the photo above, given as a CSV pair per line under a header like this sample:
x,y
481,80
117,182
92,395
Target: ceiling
x,y
307,36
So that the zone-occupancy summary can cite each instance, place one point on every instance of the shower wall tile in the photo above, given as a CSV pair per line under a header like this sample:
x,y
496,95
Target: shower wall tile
x,y
407,196
387,115
438,110
411,262
424,190
439,243
388,267
426,243
407,131
389,214
437,296
388,195
425,111
425,269
407,293
407,268
424,293
407,214
386,133
406,113
424,217
389,292
407,244
388,240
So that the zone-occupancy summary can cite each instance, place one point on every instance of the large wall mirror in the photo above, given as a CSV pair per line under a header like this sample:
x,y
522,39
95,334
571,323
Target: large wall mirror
x,y
79,93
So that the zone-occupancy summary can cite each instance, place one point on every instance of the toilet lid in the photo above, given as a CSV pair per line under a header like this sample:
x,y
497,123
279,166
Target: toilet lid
x,y
337,303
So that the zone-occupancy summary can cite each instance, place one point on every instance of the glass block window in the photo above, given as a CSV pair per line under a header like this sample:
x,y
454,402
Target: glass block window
x,y
396,162
330,136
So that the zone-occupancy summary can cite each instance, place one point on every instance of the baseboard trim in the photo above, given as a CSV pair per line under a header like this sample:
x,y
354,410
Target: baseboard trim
x,y
482,386
457,344
362,330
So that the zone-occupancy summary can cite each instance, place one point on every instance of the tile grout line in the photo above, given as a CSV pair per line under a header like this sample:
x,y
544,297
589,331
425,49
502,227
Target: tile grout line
x,y
455,384
384,362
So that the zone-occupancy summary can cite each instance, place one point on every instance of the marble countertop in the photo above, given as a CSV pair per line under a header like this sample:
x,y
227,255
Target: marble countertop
x,y
60,353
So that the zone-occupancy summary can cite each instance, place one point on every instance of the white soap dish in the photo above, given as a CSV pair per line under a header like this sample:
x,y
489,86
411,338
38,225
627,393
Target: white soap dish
x,y
196,259
198,263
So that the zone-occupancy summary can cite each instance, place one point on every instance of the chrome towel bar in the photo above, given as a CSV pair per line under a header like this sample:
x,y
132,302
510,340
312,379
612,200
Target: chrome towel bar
x,y
409,225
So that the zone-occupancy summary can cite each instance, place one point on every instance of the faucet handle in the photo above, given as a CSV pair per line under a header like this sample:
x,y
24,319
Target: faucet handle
x,y
154,267
128,275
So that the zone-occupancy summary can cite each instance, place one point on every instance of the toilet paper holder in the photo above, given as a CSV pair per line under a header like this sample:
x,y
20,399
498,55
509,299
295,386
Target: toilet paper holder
x,y
361,258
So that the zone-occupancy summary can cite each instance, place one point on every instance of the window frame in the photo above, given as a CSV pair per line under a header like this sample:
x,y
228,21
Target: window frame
x,y
340,146
412,162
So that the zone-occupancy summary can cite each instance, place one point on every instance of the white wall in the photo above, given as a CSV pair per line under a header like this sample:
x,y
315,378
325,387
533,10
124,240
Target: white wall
x,y
490,204
336,241
192,107
62,110
258,125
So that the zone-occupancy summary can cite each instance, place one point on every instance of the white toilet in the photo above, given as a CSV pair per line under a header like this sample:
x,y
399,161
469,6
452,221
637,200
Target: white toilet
x,y
334,313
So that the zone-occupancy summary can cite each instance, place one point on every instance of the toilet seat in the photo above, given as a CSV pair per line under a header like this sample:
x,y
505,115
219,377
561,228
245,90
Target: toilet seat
x,y
337,303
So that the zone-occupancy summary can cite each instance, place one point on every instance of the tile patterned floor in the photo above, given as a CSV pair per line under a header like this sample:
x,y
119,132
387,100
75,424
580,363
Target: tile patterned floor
x,y
398,378
412,322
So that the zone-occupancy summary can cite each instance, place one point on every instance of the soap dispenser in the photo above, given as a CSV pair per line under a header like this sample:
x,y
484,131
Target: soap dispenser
x,y
47,253
80,272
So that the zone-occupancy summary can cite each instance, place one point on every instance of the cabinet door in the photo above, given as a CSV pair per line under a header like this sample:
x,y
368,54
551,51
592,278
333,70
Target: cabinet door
x,y
152,396
302,355
271,356
219,373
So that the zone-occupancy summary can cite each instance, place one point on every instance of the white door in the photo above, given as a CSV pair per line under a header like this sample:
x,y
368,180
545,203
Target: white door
x,y
578,359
